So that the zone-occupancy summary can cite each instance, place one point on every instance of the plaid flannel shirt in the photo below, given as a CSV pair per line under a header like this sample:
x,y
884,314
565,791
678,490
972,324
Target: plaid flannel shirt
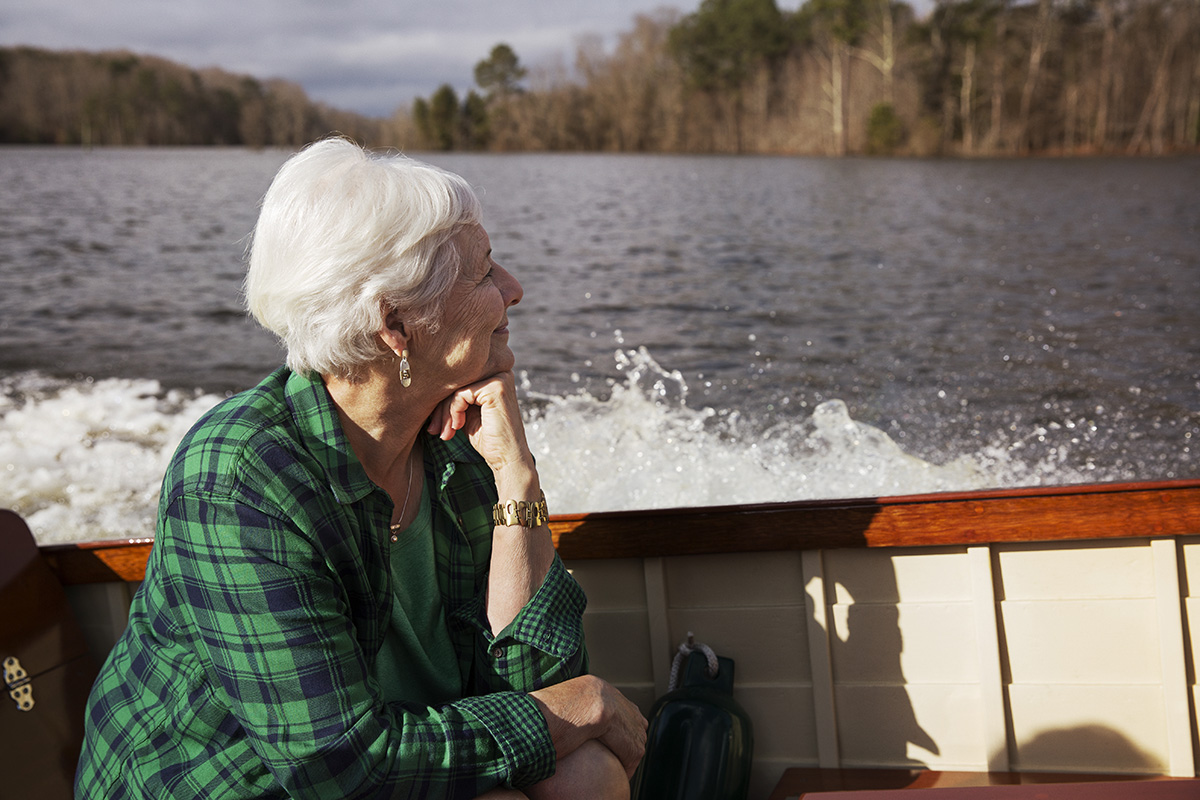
x,y
246,669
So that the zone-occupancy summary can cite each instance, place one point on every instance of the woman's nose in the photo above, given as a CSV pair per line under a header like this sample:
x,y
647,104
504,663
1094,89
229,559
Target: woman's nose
x,y
510,287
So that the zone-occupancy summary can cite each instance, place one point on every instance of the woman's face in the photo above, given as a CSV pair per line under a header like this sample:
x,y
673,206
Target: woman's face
x,y
472,342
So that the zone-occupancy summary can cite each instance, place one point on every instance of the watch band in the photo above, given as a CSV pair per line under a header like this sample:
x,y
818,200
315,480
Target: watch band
x,y
526,513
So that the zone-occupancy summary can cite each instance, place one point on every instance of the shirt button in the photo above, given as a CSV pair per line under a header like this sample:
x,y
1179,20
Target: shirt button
x,y
497,652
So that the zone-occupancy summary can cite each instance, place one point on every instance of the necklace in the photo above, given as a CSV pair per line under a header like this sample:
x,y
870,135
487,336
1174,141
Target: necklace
x,y
396,527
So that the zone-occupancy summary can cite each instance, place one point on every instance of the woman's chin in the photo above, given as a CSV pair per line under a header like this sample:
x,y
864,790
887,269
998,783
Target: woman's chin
x,y
505,360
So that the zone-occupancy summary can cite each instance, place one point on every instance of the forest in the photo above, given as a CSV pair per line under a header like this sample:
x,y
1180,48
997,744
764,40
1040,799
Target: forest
x,y
834,77
125,99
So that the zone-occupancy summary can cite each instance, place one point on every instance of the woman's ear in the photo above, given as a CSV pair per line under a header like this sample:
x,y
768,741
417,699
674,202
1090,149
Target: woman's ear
x,y
395,333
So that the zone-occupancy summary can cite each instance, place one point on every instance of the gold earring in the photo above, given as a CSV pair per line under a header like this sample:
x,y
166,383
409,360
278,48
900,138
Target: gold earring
x,y
405,372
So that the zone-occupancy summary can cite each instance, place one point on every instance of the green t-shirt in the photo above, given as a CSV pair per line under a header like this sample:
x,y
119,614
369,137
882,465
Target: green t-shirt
x,y
417,662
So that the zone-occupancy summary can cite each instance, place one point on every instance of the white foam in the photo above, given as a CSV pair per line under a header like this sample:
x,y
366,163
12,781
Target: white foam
x,y
643,447
83,461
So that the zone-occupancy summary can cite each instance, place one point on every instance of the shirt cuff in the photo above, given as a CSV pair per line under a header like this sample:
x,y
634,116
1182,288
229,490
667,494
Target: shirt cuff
x,y
516,723
552,621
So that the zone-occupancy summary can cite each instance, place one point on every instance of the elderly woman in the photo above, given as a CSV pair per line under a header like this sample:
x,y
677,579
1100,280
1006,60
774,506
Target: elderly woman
x,y
353,591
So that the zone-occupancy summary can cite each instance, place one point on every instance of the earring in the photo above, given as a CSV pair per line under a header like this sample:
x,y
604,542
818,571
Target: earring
x,y
405,372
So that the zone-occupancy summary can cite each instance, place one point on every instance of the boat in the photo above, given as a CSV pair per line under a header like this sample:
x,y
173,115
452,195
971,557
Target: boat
x,y
1017,631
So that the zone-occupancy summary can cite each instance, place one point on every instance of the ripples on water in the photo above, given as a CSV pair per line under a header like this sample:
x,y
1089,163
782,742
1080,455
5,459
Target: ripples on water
x,y
694,330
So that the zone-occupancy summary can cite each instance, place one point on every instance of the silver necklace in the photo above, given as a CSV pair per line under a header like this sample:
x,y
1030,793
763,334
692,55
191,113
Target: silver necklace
x,y
396,527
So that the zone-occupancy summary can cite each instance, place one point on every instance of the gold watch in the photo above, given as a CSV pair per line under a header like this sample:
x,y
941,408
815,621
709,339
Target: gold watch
x,y
526,513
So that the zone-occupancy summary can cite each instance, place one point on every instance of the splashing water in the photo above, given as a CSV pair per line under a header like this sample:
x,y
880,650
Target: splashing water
x,y
83,461
643,447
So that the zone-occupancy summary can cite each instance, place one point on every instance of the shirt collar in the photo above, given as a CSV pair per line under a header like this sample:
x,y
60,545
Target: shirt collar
x,y
321,434
321,431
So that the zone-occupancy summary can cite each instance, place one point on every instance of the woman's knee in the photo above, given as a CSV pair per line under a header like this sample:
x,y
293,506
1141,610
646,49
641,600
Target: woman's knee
x,y
503,794
592,771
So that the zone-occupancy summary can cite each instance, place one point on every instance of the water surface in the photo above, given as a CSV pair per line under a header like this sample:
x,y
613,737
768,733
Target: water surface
x,y
694,329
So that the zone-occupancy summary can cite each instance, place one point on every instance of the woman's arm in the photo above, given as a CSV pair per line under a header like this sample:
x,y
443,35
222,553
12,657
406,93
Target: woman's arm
x,y
521,557
580,709
489,415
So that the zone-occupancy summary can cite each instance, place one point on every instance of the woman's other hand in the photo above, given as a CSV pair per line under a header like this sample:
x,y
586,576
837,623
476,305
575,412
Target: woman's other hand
x,y
588,707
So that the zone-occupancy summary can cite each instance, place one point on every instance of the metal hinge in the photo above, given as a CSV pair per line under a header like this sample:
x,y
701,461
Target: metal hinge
x,y
20,686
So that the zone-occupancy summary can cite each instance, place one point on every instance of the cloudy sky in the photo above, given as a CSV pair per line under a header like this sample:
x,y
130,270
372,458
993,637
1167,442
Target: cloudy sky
x,y
369,56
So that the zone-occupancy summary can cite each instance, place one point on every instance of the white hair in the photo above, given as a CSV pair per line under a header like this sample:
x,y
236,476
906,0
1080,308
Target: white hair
x,y
344,237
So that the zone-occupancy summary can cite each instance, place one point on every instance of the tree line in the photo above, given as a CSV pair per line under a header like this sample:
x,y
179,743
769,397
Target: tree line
x,y
834,77
120,98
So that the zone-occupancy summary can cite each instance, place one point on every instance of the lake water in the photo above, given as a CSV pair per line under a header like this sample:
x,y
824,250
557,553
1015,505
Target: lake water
x,y
694,330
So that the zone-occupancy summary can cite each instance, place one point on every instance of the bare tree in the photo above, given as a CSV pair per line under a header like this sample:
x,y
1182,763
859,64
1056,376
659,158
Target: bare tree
x,y
1039,42
994,140
1108,23
1149,132
880,32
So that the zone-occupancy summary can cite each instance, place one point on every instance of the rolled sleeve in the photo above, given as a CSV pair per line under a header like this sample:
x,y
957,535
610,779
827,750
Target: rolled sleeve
x,y
516,723
542,646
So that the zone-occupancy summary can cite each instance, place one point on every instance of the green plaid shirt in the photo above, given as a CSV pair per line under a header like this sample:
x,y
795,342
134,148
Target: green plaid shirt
x,y
247,667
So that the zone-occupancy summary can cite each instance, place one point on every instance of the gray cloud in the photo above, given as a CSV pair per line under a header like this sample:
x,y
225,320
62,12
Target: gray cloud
x,y
370,56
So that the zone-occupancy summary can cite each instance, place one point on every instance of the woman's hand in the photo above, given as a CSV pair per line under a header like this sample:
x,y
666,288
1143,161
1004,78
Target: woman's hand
x,y
587,708
488,413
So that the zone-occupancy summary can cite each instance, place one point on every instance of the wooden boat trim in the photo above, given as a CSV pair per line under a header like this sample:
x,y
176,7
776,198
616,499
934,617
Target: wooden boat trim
x,y
1047,514
1094,511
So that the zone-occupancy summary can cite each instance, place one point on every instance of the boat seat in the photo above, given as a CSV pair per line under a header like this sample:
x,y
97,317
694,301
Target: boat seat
x,y
48,672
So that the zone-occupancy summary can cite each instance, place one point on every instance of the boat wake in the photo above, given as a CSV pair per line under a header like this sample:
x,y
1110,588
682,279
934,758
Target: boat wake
x,y
644,447
83,460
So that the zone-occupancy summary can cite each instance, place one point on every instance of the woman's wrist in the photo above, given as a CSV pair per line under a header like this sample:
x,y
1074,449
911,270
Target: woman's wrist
x,y
517,481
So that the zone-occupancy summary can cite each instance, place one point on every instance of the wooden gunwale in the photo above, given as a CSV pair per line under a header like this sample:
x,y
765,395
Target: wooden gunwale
x,y
1044,514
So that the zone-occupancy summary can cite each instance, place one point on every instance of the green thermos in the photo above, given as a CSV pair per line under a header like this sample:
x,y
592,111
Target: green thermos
x,y
700,744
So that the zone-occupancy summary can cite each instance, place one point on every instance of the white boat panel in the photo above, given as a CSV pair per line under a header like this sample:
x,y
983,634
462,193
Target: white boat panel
x,y
1042,656
820,659
898,725
627,660
1096,728
749,579
1123,568
614,583
1083,641
1168,597
993,720
895,575
785,711
905,642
